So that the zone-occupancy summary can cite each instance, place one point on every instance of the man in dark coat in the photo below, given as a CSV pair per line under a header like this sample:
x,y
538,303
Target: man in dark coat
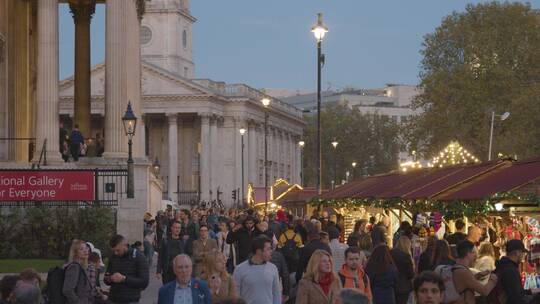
x,y
307,251
242,236
169,249
509,278
77,140
127,272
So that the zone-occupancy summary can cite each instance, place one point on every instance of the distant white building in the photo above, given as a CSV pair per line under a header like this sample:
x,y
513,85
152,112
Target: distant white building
x,y
393,100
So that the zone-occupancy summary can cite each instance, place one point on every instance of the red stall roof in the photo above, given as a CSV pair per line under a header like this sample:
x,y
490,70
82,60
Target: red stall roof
x,y
465,182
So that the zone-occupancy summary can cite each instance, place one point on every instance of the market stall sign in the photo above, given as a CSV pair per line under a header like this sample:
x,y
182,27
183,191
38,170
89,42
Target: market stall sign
x,y
46,185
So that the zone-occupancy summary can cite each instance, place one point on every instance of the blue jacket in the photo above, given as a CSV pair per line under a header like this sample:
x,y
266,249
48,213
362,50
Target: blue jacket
x,y
199,291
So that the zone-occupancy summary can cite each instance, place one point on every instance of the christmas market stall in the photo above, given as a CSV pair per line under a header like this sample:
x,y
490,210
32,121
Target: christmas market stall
x,y
501,196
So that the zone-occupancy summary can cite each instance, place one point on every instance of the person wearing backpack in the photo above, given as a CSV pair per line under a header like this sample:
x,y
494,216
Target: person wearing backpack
x,y
77,287
460,283
352,274
127,272
507,270
289,244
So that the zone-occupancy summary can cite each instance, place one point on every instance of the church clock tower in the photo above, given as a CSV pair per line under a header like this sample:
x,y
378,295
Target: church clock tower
x,y
166,32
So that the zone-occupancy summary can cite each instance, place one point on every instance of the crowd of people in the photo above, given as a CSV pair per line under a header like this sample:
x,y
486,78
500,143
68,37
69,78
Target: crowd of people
x,y
237,256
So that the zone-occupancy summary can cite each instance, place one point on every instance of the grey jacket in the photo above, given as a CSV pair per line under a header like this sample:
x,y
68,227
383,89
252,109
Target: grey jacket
x,y
77,288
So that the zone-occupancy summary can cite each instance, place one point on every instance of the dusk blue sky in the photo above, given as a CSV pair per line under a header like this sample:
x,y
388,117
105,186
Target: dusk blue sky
x,y
267,44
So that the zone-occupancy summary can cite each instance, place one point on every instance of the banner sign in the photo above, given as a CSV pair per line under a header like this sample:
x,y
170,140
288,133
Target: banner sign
x,y
43,185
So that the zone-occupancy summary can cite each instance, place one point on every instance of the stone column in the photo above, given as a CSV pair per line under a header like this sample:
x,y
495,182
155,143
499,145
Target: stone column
x,y
82,11
215,155
205,157
47,80
251,154
122,75
237,150
172,188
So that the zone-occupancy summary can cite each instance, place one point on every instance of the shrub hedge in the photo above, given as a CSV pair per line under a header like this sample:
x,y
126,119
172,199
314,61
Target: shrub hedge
x,y
41,232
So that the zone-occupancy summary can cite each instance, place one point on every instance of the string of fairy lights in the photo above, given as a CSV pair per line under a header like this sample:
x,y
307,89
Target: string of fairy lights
x,y
451,155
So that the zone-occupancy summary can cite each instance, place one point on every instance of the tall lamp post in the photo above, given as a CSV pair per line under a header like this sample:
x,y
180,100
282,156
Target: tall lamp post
x,y
301,144
266,104
334,144
242,132
353,169
503,117
130,124
319,30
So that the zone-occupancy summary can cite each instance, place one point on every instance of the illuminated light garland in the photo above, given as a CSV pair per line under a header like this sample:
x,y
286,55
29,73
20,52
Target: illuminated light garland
x,y
453,154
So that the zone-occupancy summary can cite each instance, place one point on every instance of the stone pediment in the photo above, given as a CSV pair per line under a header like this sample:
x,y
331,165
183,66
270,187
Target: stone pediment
x,y
154,81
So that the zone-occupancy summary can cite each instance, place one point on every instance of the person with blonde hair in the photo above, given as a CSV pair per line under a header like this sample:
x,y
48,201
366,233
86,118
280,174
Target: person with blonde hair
x,y
320,283
219,280
77,287
486,260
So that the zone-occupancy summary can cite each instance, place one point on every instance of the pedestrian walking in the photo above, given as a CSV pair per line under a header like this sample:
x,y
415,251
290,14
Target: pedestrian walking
x,y
352,296
77,142
257,280
219,281
242,236
352,274
320,284
401,254
383,274
127,272
337,248
279,260
184,289
308,250
77,286
289,245
428,288
202,247
169,249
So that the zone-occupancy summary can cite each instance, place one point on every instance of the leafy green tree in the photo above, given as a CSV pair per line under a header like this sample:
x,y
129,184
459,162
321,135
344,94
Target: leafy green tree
x,y
370,140
481,60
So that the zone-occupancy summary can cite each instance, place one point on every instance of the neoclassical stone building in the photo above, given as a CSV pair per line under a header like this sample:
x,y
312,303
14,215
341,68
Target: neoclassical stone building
x,y
190,125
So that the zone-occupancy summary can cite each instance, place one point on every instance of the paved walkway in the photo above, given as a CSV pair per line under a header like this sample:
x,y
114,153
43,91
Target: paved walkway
x,y
150,294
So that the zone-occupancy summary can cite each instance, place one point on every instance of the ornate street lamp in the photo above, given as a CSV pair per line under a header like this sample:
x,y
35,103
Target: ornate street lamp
x,y
242,132
156,166
353,169
130,124
319,30
266,104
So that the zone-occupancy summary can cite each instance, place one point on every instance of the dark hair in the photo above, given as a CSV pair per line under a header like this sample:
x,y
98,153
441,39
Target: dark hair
x,y
324,234
352,249
30,274
378,235
232,301
76,126
93,257
463,248
459,224
380,260
441,253
186,212
258,243
428,276
353,296
115,240
249,218
136,244
358,224
7,285
203,226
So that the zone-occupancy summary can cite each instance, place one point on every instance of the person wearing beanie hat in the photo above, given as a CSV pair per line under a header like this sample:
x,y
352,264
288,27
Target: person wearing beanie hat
x,y
337,248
